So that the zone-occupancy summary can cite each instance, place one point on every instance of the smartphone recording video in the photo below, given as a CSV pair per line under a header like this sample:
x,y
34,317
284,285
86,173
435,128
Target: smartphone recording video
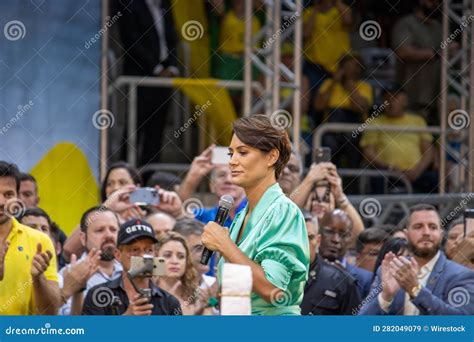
x,y
145,196
220,155
322,155
147,266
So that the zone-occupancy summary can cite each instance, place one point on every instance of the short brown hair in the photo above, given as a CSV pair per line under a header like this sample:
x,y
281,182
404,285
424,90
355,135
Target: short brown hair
x,y
258,132
421,207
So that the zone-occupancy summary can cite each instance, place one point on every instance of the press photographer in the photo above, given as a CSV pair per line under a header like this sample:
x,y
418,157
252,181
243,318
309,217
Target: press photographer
x,y
120,296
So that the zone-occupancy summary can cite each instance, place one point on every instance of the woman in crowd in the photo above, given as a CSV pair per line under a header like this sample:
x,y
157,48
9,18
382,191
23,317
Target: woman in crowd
x,y
120,180
181,278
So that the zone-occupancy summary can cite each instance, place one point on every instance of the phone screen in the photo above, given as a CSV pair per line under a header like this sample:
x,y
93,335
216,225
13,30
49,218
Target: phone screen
x,y
220,155
145,196
322,154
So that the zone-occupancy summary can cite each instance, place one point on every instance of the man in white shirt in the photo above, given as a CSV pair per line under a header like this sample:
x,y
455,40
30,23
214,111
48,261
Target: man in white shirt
x,y
427,283
99,229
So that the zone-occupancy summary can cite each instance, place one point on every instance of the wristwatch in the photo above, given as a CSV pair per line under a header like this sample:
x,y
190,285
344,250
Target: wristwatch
x,y
415,291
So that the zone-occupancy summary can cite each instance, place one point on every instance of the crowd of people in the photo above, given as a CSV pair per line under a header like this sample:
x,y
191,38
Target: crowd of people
x,y
317,247
419,267
341,80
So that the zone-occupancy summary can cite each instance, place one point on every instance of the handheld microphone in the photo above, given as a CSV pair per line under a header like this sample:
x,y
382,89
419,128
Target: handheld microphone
x,y
225,204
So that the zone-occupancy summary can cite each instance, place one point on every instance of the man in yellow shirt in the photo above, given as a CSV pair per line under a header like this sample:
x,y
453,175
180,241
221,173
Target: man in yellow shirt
x,y
345,98
232,46
326,27
28,271
409,153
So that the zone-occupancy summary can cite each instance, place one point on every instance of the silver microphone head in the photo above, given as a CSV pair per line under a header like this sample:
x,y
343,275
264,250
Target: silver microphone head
x,y
226,201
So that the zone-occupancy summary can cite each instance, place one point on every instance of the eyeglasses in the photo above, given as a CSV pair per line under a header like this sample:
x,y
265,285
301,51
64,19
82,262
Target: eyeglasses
x,y
331,233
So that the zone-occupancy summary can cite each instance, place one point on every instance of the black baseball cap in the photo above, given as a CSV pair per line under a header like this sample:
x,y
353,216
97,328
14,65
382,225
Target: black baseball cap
x,y
133,230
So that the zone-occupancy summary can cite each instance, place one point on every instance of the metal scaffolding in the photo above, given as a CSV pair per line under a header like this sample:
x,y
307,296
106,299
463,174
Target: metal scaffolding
x,y
457,74
268,60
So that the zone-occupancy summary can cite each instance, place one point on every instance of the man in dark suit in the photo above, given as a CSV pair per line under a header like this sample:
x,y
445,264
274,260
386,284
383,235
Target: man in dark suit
x,y
336,236
427,283
329,289
149,40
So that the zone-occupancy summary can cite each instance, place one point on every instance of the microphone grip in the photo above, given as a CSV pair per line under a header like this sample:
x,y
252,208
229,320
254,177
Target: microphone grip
x,y
221,217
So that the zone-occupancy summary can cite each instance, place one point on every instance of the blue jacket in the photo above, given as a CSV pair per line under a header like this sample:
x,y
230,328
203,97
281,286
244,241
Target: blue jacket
x,y
363,278
449,291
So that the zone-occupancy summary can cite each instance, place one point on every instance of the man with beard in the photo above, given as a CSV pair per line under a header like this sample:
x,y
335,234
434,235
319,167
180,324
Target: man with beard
x,y
99,228
27,257
426,283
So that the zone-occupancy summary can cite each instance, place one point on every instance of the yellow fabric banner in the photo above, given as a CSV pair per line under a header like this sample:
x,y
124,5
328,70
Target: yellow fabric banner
x,y
212,100
192,26
67,186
